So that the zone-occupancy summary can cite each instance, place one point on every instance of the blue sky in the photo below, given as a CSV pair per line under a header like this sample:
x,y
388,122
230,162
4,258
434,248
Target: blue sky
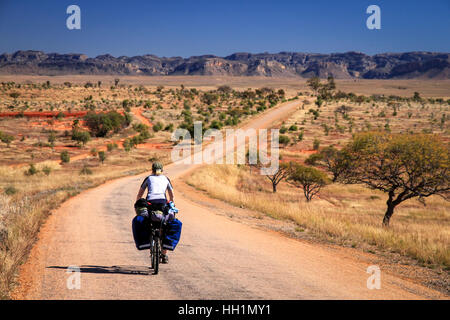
x,y
195,27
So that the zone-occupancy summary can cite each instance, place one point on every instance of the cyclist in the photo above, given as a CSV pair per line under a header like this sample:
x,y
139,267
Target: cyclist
x,y
157,184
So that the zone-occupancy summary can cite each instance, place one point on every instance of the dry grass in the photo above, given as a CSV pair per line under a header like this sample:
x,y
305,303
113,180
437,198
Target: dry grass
x,y
26,201
345,214
409,117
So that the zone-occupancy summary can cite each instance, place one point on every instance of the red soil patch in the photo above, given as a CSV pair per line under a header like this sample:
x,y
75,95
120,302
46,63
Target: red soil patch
x,y
46,114
138,113
152,146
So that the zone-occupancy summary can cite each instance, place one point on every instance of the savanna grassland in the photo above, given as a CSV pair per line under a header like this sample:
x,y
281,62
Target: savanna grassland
x,y
348,214
59,138
61,135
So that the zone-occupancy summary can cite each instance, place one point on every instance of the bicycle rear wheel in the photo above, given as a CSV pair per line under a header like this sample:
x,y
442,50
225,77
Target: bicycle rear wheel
x,y
156,252
151,253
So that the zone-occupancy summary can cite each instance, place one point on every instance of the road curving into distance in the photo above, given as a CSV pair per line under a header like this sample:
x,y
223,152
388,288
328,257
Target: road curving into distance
x,y
217,258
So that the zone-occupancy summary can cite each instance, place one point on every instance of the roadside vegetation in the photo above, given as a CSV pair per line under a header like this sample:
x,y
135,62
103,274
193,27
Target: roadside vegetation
x,y
64,138
357,170
346,214
45,118
27,196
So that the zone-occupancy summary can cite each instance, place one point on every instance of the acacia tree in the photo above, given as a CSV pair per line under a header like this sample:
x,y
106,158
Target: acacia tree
x,y
279,175
314,83
326,90
309,179
404,166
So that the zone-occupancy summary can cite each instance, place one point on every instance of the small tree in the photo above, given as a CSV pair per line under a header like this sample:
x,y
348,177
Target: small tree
x,y
404,166
316,144
102,156
279,175
309,179
6,138
158,126
80,136
65,157
319,102
314,83
52,139
284,140
127,145
14,95
344,110
32,170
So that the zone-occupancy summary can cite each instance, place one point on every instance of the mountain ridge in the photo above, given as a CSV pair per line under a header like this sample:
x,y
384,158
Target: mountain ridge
x,y
348,65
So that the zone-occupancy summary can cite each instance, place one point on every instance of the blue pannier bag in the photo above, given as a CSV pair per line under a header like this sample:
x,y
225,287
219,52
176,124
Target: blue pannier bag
x,y
172,234
141,232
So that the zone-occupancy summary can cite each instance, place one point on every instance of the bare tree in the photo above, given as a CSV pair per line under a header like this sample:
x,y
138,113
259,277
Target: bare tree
x,y
282,173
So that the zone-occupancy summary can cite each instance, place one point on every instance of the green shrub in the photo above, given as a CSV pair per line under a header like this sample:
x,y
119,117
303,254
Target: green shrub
x,y
102,156
316,144
284,140
47,170
111,146
32,170
100,124
169,127
283,130
11,190
85,171
65,157
158,126
82,137
6,138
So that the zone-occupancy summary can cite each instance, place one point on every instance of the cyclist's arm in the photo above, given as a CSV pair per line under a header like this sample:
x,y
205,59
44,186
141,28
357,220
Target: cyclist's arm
x,y
142,189
170,194
140,193
170,189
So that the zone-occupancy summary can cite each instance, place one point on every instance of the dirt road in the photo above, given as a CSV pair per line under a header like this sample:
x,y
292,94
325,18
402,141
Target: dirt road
x,y
217,258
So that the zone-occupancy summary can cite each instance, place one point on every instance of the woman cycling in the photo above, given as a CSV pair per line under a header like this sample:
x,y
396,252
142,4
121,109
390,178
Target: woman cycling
x,y
157,184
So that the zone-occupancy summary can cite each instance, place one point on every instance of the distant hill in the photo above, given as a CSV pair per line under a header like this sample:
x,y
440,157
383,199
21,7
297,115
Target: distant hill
x,y
409,65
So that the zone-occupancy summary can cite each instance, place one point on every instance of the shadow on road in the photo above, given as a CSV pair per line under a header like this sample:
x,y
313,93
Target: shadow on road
x,y
111,269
